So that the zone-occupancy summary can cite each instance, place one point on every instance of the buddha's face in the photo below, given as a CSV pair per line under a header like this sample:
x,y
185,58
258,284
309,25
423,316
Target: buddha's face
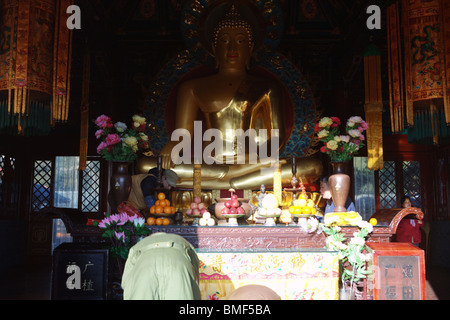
x,y
233,48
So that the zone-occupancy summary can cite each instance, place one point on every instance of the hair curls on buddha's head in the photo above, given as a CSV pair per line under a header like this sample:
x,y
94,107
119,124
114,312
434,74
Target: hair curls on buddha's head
x,y
221,14
233,20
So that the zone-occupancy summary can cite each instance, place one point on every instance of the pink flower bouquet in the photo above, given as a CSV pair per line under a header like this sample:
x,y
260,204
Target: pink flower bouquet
x,y
118,142
119,229
341,147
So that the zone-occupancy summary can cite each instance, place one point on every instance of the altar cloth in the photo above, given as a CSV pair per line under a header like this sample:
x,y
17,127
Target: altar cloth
x,y
292,274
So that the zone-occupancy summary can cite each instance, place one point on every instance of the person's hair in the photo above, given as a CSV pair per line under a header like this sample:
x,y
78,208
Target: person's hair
x,y
170,175
404,198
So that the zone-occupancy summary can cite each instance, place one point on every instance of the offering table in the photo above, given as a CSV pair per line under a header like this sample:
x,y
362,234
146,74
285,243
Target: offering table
x,y
242,236
292,273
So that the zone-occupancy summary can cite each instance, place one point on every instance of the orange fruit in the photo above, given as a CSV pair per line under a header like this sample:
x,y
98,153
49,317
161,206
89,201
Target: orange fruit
x,y
152,209
159,221
157,203
167,210
151,221
158,209
167,203
172,210
165,222
161,196
306,210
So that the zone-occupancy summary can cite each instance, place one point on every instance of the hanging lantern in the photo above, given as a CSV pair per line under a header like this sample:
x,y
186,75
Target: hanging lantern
x,y
395,63
426,39
35,68
84,110
373,107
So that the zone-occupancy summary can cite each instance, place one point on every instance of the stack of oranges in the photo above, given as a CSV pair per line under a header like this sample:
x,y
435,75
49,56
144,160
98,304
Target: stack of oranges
x,y
160,208
158,221
303,205
162,205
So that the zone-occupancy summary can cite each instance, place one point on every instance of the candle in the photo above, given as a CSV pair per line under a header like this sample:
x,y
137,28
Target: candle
x,y
197,180
277,182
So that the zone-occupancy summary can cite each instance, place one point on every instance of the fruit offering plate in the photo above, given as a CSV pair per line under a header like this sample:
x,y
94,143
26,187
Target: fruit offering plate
x,y
301,215
194,215
232,218
162,215
269,213
233,215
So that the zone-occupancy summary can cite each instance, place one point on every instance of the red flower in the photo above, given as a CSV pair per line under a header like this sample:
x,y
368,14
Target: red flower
x,y
317,127
336,120
112,139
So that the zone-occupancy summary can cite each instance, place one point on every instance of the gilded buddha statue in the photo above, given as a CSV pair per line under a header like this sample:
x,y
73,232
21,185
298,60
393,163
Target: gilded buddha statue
x,y
232,100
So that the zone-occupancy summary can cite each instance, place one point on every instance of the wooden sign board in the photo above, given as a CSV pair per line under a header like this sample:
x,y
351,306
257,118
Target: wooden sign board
x,y
80,272
398,271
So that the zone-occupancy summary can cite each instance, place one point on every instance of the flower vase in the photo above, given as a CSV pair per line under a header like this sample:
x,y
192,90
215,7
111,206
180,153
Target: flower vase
x,y
346,293
116,267
339,183
120,184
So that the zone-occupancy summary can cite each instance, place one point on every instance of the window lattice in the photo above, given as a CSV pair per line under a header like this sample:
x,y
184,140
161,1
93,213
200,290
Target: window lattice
x,y
2,165
42,179
411,182
388,197
90,187
3,162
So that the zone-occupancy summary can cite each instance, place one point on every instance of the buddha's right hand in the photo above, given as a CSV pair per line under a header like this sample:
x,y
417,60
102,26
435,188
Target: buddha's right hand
x,y
166,156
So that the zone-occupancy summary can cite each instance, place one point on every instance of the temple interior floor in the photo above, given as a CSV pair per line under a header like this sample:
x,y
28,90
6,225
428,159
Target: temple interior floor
x,y
33,282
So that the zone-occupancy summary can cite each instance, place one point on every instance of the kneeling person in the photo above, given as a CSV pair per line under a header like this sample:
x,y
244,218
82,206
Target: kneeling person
x,y
162,266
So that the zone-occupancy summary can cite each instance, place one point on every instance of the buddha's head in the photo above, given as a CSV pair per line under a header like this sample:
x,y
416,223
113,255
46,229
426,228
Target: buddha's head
x,y
233,41
231,33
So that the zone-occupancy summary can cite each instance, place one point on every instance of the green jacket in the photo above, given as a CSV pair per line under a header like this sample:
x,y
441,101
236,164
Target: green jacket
x,y
162,266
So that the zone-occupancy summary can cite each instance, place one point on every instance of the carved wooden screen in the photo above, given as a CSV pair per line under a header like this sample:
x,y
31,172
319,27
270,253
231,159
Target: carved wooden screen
x,y
90,187
42,185
9,187
411,182
397,179
64,188
388,194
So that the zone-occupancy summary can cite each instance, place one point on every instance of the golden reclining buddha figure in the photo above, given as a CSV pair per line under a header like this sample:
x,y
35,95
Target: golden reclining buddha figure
x,y
231,100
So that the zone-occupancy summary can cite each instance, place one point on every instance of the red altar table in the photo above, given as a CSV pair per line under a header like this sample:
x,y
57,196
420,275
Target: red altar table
x,y
242,236
292,274
245,245
260,236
